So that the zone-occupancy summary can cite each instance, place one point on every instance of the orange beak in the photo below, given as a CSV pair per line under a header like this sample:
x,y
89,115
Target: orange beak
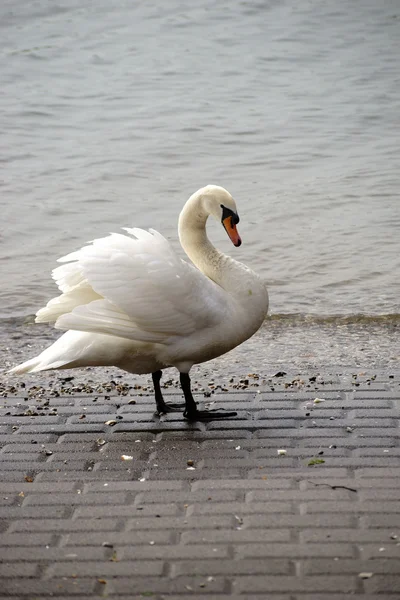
x,y
231,230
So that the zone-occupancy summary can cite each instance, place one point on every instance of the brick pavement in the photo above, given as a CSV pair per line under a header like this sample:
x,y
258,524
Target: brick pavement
x,y
203,509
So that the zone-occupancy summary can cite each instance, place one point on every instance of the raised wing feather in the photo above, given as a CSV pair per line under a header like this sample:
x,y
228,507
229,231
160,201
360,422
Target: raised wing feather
x,y
149,293
76,290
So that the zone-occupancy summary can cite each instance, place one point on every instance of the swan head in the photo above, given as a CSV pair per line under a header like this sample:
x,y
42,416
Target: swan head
x,y
219,203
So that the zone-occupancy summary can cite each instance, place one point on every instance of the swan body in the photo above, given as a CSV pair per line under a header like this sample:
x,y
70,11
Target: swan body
x,y
129,301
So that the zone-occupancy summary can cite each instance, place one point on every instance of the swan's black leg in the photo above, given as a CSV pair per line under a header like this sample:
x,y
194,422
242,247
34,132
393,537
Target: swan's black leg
x,y
191,412
162,406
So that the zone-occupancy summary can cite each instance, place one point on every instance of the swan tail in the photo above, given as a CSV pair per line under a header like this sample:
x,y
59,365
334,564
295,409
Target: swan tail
x,y
42,362
72,349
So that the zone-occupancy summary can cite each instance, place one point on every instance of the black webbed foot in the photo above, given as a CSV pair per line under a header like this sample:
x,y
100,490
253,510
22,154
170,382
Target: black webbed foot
x,y
164,408
207,415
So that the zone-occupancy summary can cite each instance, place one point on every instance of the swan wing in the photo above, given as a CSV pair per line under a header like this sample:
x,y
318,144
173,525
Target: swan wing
x,y
140,289
77,291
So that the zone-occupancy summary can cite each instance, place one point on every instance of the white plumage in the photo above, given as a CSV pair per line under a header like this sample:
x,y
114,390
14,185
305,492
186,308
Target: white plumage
x,y
128,300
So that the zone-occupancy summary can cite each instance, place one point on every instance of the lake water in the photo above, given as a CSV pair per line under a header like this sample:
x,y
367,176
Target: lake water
x,y
114,113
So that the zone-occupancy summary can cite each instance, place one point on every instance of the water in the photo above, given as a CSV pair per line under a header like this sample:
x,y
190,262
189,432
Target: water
x,y
113,113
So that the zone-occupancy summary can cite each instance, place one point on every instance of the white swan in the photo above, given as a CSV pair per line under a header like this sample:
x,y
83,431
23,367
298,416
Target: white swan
x,y
130,302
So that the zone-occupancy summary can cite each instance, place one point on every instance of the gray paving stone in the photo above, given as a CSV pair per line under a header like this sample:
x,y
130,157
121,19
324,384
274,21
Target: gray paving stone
x,y
23,487
318,472
199,473
115,539
318,566
75,499
58,525
317,494
293,550
383,550
21,539
14,457
49,553
180,523
19,437
232,567
377,483
351,535
382,472
235,536
184,497
34,512
379,584
150,586
106,568
318,583
174,552
387,506
164,510
296,521
379,520
83,476
241,484
390,451
11,569
138,486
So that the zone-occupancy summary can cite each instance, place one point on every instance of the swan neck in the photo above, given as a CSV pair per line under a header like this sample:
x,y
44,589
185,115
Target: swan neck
x,y
194,239
242,284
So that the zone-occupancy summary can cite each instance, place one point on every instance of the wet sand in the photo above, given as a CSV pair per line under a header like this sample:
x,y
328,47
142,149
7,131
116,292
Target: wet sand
x,y
293,345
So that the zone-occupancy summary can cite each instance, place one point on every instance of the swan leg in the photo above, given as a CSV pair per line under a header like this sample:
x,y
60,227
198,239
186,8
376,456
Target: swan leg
x,y
162,406
191,412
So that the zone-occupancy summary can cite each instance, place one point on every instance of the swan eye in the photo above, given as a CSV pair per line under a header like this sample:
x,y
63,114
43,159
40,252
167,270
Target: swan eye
x,y
227,212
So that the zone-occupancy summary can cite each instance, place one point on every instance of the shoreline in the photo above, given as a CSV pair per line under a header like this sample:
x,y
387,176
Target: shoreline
x,y
298,348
